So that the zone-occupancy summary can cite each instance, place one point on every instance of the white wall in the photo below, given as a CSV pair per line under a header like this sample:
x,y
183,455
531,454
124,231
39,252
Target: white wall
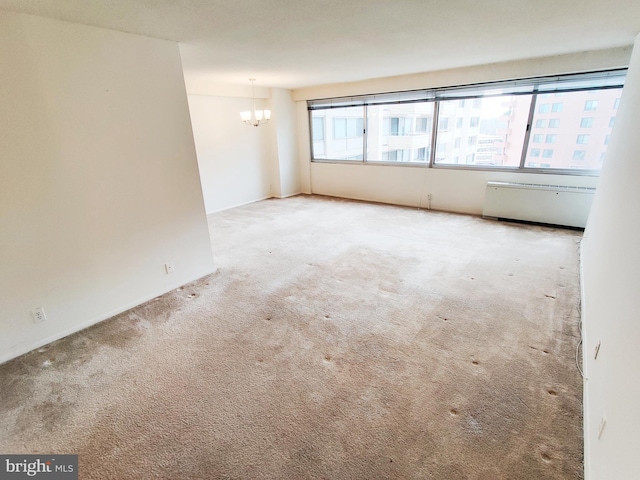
x,y
239,163
451,190
611,299
235,159
285,123
534,67
99,183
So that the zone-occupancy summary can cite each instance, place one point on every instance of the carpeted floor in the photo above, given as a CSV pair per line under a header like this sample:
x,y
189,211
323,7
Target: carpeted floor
x,y
337,340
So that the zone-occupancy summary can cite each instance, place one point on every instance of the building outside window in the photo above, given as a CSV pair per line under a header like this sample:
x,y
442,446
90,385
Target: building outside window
x,y
397,126
591,105
586,122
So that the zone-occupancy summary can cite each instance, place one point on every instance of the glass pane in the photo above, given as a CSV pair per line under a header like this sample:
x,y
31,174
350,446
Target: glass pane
x,y
399,133
488,131
337,133
576,134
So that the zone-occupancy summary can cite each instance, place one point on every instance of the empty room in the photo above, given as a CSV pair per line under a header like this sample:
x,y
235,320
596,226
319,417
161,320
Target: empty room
x,y
322,240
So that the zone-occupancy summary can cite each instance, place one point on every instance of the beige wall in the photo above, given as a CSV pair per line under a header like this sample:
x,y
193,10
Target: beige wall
x,y
236,160
99,184
611,300
240,163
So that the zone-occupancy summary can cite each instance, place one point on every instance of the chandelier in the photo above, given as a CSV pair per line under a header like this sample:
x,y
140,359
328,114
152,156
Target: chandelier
x,y
255,117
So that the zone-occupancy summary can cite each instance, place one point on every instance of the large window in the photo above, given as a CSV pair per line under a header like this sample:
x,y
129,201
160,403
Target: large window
x,y
487,124
338,134
553,124
579,139
399,132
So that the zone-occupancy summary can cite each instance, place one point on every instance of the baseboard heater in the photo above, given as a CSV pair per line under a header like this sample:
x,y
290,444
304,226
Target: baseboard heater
x,y
551,204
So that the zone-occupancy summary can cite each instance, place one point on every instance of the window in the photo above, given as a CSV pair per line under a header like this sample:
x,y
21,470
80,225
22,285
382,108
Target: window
x,y
337,133
572,122
396,126
347,128
488,145
396,155
586,122
482,126
423,124
389,129
318,128
318,146
420,154
606,139
591,105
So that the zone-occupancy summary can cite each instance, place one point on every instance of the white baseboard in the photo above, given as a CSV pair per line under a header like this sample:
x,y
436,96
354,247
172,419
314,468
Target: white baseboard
x,y
253,201
229,207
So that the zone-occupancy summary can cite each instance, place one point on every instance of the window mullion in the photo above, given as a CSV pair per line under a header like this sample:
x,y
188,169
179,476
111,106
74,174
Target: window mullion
x,y
527,133
365,129
434,130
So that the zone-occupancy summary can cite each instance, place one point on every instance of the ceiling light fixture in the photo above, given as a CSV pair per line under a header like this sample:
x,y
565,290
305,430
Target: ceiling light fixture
x,y
255,117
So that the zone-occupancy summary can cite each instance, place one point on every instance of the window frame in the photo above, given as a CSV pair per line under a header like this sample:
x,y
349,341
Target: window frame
x,y
435,96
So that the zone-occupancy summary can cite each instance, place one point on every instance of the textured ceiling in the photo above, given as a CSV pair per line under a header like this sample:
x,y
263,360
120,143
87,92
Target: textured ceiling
x,y
295,43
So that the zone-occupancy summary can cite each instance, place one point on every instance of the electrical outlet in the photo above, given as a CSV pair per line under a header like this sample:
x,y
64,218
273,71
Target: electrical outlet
x,y
38,315
168,267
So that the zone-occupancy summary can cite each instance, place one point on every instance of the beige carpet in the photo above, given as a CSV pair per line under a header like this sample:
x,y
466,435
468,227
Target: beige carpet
x,y
338,340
